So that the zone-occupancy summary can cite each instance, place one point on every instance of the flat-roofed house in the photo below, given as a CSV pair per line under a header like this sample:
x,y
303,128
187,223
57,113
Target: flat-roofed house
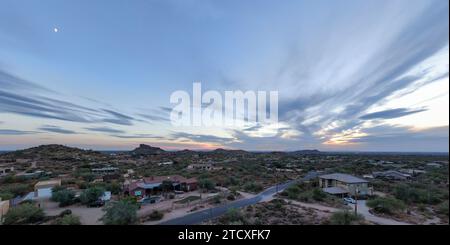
x,y
6,170
43,189
344,184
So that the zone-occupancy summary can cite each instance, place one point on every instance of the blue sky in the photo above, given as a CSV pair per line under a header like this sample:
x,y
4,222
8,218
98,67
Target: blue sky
x,y
351,75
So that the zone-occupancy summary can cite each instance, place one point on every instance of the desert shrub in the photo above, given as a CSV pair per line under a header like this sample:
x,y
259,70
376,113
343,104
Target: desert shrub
x,y
253,187
17,189
6,195
345,218
216,200
318,194
69,219
156,215
419,194
91,195
387,205
122,212
206,184
292,192
231,197
443,208
65,197
24,214
233,215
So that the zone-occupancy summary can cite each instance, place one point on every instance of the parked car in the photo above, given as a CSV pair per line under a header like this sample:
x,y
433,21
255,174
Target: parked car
x,y
349,200
98,203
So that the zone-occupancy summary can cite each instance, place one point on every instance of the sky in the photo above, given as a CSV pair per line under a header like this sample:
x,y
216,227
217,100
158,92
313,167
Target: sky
x,y
351,75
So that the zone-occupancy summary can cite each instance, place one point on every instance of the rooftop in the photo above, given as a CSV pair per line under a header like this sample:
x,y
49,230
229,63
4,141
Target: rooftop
x,y
347,178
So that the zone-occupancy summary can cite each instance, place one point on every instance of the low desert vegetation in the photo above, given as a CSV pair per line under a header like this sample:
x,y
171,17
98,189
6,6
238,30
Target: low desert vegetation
x,y
26,213
346,218
123,212
386,205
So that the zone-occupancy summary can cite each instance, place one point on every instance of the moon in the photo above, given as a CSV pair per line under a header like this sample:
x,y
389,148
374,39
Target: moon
x,y
55,30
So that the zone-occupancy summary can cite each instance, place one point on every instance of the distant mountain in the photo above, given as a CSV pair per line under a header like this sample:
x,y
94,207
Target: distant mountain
x,y
228,152
55,152
306,152
147,150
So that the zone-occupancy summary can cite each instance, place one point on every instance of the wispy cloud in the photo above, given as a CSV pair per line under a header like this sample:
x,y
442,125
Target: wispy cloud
x,y
138,136
15,132
392,113
56,129
200,138
29,99
105,130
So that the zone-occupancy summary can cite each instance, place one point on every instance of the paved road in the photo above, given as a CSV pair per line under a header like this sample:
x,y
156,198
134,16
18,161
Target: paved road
x,y
200,216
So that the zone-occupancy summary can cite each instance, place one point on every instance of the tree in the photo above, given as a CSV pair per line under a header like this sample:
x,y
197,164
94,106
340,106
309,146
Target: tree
x,y
122,212
24,214
65,197
345,218
206,184
91,195
387,205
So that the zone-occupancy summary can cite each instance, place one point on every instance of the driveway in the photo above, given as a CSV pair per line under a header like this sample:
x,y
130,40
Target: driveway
x,y
364,210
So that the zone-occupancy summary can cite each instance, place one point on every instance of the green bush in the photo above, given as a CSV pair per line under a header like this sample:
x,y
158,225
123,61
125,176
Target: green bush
x,y
345,218
387,205
253,187
24,214
69,219
123,212
443,208
91,195
318,194
6,195
233,215
17,189
206,184
65,197
156,215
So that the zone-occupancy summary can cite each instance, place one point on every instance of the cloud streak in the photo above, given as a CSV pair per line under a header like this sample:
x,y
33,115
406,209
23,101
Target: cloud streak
x,y
56,129
392,113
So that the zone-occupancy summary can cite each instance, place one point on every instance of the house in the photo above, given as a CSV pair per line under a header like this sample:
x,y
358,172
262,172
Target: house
x,y
165,163
153,185
391,175
43,189
105,170
31,175
203,166
6,170
413,172
343,184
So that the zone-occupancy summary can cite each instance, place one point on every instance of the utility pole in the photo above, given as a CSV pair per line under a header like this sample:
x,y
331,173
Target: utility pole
x,y
356,201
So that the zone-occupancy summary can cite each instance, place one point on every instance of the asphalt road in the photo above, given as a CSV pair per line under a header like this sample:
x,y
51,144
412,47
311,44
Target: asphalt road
x,y
200,216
